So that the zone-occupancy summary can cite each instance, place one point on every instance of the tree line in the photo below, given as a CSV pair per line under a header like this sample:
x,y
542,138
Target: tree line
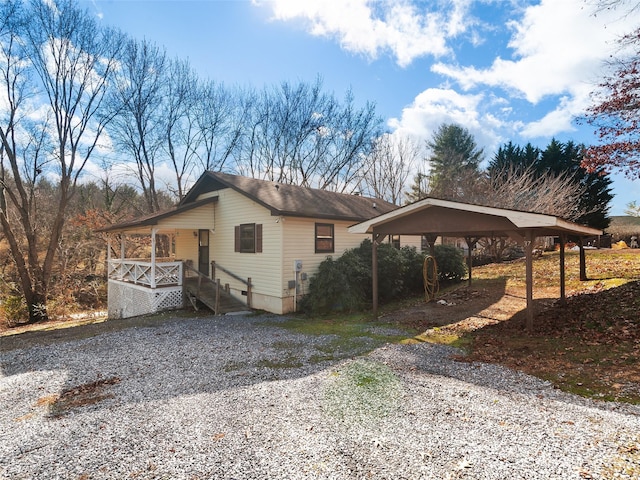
x,y
78,98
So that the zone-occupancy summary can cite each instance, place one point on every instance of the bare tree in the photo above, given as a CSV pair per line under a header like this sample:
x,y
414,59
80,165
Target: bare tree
x,y
140,128
220,115
181,136
387,168
627,6
525,190
299,135
56,68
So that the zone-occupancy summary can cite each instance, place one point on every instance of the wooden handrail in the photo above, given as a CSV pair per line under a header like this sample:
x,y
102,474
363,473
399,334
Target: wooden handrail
x,y
215,266
247,282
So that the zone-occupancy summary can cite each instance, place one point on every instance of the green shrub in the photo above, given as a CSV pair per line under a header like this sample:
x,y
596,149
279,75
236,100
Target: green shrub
x,y
331,290
345,284
451,263
14,310
413,265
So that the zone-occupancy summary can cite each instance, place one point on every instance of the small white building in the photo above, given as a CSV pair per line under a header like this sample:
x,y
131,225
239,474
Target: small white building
x,y
261,239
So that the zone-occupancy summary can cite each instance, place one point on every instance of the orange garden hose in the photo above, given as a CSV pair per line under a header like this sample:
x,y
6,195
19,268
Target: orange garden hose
x,y
430,277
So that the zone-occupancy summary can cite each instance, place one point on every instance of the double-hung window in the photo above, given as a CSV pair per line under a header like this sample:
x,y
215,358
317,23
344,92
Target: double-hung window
x,y
248,238
325,241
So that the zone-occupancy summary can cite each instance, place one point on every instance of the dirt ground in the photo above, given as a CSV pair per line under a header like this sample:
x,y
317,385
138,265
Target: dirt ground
x,y
589,346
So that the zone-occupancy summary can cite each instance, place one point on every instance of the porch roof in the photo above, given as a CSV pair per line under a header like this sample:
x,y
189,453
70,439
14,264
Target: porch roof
x,y
143,224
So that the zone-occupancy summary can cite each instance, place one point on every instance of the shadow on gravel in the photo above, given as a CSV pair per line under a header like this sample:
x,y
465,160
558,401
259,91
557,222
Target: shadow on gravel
x,y
164,357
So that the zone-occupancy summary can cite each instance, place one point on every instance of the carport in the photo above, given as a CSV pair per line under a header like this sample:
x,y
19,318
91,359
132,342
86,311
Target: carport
x,y
434,217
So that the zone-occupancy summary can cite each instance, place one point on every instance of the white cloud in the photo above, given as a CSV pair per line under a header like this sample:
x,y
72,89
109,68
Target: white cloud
x,y
558,47
371,27
436,106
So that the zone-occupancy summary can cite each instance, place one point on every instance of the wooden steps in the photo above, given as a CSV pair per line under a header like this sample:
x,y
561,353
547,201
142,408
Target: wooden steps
x,y
205,293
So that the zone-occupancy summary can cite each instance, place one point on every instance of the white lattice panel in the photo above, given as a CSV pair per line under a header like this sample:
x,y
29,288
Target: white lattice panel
x,y
168,298
127,300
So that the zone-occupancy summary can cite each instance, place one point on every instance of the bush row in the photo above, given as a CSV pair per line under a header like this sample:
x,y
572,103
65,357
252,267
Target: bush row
x,y
345,284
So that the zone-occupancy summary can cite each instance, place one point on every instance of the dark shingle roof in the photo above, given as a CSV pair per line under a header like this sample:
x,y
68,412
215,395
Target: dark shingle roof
x,y
153,218
291,200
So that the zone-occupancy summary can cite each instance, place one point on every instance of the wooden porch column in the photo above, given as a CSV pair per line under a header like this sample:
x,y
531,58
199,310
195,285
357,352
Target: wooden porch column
x,y
153,258
122,245
528,248
375,238
563,295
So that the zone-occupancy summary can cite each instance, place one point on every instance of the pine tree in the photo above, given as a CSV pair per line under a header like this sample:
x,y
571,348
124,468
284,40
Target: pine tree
x,y
454,162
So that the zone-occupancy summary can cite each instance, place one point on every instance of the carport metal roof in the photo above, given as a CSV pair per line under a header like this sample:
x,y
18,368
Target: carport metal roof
x,y
435,217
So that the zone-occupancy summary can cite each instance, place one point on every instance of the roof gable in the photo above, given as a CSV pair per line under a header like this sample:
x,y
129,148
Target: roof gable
x,y
292,200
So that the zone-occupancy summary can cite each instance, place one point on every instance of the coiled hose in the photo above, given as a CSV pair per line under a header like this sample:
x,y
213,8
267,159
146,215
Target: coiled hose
x,y
430,277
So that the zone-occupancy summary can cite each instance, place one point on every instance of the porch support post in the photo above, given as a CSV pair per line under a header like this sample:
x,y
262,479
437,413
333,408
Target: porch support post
x,y
563,294
375,238
528,247
122,245
108,256
153,258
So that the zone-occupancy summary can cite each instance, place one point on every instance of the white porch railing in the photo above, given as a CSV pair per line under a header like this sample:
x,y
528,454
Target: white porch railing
x,y
142,272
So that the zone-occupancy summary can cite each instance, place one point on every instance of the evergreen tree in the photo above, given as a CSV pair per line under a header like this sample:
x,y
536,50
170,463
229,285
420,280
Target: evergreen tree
x,y
560,159
455,162
566,158
513,158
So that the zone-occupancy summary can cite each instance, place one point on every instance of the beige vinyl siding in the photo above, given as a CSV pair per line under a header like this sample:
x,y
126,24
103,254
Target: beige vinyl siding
x,y
411,241
201,217
407,241
299,244
187,246
265,268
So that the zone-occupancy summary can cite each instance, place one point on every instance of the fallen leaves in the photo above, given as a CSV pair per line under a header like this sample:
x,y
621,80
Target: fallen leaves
x,y
78,396
589,346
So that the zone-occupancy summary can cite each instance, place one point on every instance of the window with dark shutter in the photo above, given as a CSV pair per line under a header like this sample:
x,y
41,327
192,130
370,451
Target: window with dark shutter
x,y
324,238
248,238
259,238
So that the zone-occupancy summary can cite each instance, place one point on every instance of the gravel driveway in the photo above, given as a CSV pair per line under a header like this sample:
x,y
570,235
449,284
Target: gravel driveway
x,y
242,398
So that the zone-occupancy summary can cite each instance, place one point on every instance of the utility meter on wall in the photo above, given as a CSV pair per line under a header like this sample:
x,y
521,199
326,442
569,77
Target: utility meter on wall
x,y
297,265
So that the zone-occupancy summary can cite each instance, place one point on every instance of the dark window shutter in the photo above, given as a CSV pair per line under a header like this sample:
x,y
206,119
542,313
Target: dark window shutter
x,y
259,238
237,238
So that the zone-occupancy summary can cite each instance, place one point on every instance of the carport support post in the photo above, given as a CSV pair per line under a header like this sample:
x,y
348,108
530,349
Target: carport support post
x,y
583,261
471,244
375,239
563,295
528,248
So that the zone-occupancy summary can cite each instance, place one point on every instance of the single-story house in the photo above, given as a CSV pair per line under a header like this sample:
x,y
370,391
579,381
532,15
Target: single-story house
x,y
263,240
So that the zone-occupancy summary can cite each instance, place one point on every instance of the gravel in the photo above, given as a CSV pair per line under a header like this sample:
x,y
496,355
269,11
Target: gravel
x,y
242,398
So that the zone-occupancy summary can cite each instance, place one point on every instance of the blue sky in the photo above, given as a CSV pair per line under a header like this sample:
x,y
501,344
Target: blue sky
x,y
506,70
